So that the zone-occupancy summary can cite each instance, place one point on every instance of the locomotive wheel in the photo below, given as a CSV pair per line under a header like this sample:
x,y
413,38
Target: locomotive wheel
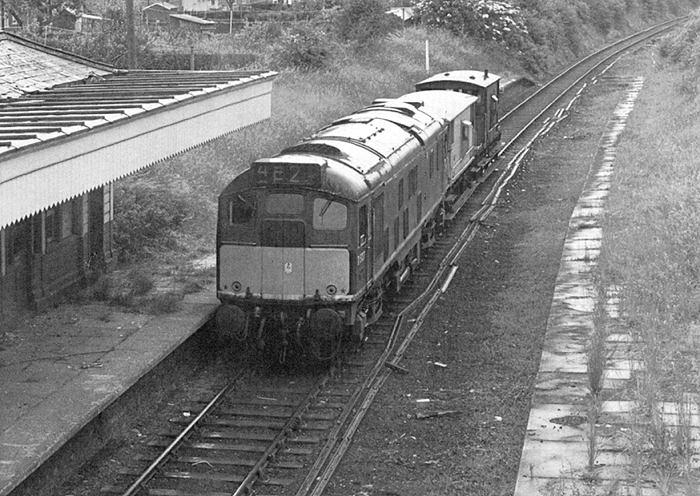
x,y
326,334
231,323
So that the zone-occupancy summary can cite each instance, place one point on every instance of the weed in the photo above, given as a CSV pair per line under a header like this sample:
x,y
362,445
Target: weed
x,y
591,434
597,354
123,299
652,240
164,303
101,289
141,281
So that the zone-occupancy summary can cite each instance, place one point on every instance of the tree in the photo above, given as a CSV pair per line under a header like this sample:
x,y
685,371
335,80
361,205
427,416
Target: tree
x,y
364,21
42,11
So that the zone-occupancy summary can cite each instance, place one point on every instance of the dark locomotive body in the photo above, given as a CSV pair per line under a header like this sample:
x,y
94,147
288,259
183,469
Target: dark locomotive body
x,y
311,240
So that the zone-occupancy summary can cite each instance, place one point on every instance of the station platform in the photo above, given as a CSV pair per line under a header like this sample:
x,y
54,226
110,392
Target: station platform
x,y
61,368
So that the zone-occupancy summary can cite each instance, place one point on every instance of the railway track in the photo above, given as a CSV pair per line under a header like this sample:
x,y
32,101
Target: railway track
x,y
285,434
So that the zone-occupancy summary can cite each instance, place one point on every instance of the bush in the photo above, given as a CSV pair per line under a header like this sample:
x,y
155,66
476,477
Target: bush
x,y
683,48
148,216
488,20
363,22
302,47
140,281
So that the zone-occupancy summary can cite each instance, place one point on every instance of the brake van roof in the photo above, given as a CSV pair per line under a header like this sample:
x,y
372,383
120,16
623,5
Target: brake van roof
x,y
477,78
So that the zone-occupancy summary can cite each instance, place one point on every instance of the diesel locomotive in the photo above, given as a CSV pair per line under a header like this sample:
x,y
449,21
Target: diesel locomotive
x,y
311,241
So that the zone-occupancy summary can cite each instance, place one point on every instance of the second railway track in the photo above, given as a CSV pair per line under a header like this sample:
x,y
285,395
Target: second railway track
x,y
270,434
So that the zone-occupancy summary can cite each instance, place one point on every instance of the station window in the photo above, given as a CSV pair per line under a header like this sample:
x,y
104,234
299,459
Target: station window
x,y
66,218
76,214
400,193
329,215
38,233
52,226
15,241
3,253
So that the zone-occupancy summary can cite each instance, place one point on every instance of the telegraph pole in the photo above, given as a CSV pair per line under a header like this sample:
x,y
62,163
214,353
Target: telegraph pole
x,y
130,35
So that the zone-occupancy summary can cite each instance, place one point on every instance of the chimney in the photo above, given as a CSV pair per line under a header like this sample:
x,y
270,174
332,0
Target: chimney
x,y
486,73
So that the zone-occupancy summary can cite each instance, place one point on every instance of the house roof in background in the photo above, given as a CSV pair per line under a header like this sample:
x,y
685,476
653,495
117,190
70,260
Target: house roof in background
x,y
27,67
163,5
404,13
193,19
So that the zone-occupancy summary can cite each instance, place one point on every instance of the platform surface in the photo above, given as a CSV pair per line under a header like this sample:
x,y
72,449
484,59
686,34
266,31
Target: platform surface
x,y
61,368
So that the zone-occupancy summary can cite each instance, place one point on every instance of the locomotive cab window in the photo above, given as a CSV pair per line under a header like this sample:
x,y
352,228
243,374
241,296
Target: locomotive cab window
x,y
241,208
329,215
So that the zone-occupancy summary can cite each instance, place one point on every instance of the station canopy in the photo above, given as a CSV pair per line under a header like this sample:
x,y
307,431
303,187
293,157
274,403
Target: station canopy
x,y
69,125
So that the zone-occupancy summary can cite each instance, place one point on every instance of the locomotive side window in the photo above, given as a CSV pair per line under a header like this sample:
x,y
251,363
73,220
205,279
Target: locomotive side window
x,y
405,224
396,233
241,208
432,162
284,204
413,181
363,224
378,229
329,215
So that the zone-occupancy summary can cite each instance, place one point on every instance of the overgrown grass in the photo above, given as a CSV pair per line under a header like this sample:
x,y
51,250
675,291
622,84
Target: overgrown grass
x,y
652,253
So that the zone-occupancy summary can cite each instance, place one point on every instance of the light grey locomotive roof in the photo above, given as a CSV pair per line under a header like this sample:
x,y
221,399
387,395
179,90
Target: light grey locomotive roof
x,y
477,78
360,151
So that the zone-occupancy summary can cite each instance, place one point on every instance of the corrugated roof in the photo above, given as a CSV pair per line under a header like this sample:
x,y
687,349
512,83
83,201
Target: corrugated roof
x,y
98,100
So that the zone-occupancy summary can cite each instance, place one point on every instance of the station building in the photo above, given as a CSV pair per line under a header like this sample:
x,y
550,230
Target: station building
x,y
69,128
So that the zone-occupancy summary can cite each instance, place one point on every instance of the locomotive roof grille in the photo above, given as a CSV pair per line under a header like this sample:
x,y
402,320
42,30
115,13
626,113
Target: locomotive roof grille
x,y
315,148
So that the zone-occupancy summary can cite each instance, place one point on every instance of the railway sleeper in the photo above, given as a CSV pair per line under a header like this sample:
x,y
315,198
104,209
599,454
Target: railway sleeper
x,y
117,489
248,448
232,461
210,476
248,436
243,412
